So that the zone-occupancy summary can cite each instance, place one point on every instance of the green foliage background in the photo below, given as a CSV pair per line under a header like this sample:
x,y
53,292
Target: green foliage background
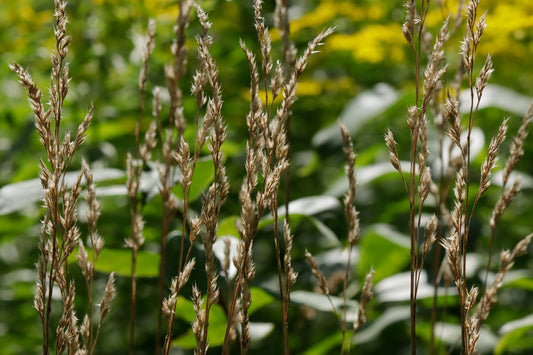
x,y
367,48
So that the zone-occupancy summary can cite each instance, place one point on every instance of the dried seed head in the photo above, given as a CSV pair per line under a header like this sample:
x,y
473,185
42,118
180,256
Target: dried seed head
x,y
198,324
490,296
466,53
109,294
277,81
517,147
425,183
287,262
412,117
322,282
480,28
521,246
311,48
490,162
430,234
453,252
391,144
503,202
145,150
83,261
484,76
433,72
85,330
471,298
366,296
408,27
227,258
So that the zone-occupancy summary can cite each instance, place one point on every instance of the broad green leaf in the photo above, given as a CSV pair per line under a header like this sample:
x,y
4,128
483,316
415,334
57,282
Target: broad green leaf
x,y
330,240
516,324
326,345
119,261
259,331
518,336
396,288
260,298
18,284
217,325
365,106
368,156
526,181
219,248
306,162
184,309
306,208
385,249
106,130
390,316
12,227
268,220
321,302
519,279
203,176
450,334
227,227
498,97
365,175
17,196
311,205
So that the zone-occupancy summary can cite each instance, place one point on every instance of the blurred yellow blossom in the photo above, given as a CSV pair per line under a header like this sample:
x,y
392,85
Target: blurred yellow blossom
x,y
373,43
309,88
163,10
19,18
330,10
508,23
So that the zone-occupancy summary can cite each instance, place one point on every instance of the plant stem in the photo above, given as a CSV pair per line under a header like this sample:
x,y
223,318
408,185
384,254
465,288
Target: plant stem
x,y
133,298
162,264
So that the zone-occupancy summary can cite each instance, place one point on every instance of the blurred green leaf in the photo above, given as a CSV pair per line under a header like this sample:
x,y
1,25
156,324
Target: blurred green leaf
x,y
324,303
203,175
217,325
385,249
522,279
450,334
325,346
311,205
19,195
227,227
119,261
185,309
388,317
518,336
260,299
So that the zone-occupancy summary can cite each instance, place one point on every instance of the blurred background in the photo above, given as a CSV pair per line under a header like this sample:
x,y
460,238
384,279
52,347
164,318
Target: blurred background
x,y
363,77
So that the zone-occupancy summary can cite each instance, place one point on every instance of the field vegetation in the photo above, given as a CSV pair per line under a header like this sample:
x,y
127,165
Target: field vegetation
x,y
307,177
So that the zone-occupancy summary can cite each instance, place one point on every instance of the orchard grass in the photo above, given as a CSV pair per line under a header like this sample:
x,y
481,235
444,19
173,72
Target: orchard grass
x,y
174,144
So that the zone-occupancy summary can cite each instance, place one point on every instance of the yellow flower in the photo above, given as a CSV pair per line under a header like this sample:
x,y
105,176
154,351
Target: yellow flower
x,y
328,11
304,88
373,44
